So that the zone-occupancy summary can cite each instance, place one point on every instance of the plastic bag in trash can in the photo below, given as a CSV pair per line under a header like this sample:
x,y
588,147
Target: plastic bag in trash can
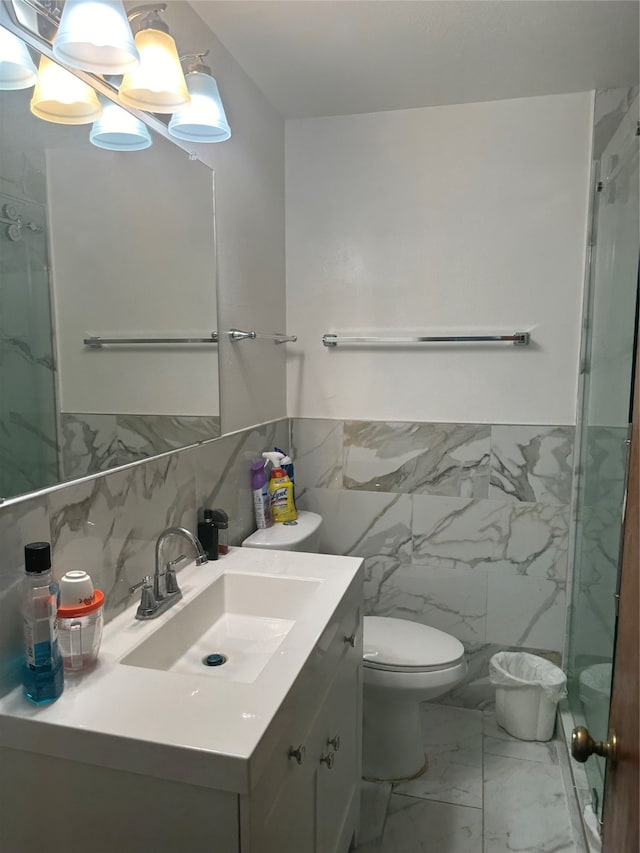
x,y
528,689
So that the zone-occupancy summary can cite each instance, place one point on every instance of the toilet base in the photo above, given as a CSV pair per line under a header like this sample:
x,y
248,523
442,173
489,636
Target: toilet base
x,y
417,775
392,748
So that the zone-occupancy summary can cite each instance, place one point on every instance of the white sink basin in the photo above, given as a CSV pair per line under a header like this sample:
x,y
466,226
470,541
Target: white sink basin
x,y
243,617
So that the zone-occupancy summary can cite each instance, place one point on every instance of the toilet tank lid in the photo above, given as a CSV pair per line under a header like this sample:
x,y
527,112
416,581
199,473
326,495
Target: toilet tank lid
x,y
285,534
398,642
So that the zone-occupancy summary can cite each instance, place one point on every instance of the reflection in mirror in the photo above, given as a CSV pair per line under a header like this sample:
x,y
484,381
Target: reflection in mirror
x,y
110,244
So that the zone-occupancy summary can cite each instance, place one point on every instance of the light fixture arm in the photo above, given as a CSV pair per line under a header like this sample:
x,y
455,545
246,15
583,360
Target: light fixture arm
x,y
149,15
195,64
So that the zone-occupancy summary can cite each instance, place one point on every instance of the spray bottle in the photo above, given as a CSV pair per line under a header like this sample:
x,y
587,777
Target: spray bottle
x,y
280,490
260,490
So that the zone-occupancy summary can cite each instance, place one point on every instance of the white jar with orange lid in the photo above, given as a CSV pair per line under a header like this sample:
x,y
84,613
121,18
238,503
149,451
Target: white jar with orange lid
x,y
80,621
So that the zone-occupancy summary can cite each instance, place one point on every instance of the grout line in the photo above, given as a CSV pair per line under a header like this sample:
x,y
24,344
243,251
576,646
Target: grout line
x,y
442,802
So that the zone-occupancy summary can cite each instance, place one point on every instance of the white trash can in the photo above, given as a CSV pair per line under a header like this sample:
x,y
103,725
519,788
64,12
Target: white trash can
x,y
528,689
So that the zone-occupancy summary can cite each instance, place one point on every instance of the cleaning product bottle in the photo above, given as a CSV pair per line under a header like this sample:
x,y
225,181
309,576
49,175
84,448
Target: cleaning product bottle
x,y
287,465
260,489
280,491
42,675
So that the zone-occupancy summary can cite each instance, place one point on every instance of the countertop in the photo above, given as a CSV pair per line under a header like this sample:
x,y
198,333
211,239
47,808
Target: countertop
x,y
188,728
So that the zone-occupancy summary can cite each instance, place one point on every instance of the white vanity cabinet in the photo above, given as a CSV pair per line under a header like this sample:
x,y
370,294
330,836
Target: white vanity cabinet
x,y
307,799
140,780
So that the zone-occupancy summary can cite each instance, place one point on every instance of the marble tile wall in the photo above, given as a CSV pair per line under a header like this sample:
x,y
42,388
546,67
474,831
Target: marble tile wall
x,y
462,526
108,525
92,443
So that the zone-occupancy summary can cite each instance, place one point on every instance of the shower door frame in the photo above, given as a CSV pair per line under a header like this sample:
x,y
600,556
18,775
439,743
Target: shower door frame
x,y
621,821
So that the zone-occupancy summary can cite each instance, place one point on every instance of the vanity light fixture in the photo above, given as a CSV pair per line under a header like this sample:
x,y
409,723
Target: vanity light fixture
x,y
118,130
204,119
94,35
17,70
157,84
61,98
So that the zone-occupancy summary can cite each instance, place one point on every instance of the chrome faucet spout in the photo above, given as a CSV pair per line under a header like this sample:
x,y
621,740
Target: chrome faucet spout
x,y
165,583
160,576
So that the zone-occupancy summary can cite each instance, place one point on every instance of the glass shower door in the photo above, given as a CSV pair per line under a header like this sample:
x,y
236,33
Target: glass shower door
x,y
603,426
28,420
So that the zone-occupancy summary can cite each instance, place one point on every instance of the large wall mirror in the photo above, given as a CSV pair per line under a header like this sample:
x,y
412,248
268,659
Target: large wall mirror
x,y
100,244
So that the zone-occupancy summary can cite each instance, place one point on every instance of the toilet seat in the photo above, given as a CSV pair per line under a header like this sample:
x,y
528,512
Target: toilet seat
x,y
397,645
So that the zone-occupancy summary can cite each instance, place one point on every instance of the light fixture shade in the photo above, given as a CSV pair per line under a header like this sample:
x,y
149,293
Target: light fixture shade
x,y
62,98
17,70
157,84
94,35
204,119
118,130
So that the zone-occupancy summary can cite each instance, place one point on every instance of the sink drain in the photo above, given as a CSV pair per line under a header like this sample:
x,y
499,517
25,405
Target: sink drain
x,y
214,659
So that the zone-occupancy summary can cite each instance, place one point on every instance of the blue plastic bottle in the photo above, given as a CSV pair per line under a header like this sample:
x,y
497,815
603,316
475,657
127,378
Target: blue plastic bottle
x,y
42,673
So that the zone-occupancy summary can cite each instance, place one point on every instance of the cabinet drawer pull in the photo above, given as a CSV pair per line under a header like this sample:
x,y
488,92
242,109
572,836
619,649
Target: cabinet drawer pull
x,y
334,742
351,639
328,759
298,753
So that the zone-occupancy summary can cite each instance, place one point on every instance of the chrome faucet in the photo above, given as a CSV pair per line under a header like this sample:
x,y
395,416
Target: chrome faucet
x,y
165,590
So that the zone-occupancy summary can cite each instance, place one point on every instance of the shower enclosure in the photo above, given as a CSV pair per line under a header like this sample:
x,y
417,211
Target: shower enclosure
x,y
28,419
604,416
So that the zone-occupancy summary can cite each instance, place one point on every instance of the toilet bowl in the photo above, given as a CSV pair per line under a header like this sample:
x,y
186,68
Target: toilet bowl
x,y
405,663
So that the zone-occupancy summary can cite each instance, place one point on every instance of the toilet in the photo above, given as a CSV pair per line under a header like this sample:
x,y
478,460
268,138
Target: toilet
x,y
404,663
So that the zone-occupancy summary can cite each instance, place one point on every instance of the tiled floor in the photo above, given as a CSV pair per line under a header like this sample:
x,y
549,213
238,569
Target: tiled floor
x,y
483,792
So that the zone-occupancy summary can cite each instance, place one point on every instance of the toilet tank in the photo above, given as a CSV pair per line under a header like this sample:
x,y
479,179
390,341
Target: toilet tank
x,y
300,535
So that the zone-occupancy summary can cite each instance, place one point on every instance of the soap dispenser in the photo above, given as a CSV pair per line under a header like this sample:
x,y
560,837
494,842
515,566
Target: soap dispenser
x,y
208,534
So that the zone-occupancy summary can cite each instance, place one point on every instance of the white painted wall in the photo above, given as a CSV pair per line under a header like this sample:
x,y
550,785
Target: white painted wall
x,y
133,255
468,218
249,177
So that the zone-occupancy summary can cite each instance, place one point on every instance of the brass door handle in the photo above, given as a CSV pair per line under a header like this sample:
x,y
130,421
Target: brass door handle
x,y
583,745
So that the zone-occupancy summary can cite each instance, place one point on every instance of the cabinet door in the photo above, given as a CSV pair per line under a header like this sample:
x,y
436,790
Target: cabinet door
x,y
289,824
282,808
339,764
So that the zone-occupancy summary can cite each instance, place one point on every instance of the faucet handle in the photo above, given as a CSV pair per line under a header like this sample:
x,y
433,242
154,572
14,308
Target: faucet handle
x,y
146,582
171,581
148,604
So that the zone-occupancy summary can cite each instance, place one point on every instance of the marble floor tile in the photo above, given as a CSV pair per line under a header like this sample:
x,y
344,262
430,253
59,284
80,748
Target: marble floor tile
x,y
499,742
374,802
423,826
525,807
452,740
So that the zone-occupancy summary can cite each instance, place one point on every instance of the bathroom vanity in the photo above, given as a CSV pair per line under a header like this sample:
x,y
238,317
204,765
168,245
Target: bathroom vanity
x,y
155,751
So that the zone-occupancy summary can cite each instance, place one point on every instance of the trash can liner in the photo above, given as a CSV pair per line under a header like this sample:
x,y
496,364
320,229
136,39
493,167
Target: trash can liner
x,y
520,669
528,689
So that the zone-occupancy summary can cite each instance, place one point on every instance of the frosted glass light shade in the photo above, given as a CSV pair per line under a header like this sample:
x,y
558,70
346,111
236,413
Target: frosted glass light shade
x,y
118,130
204,119
157,84
17,70
62,98
95,35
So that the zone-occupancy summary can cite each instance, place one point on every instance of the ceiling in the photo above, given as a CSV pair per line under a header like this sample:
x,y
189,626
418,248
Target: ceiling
x,y
337,57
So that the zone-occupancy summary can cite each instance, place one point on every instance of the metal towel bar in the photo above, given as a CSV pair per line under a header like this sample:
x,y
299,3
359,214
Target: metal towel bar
x,y
517,339
96,342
